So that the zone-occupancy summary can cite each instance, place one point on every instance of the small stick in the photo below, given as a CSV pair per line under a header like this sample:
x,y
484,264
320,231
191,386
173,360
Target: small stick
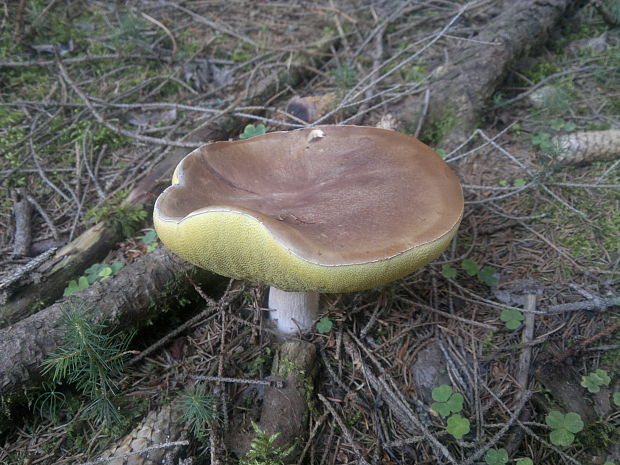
x,y
456,317
514,417
211,307
45,216
168,33
527,337
116,129
345,430
44,176
310,441
586,342
18,21
523,371
371,321
213,442
427,99
23,224
137,452
597,303
24,269
221,379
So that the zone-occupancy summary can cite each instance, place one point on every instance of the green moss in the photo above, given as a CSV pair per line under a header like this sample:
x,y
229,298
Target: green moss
x,y
611,358
595,436
286,366
240,55
542,70
254,367
590,240
125,218
434,133
188,43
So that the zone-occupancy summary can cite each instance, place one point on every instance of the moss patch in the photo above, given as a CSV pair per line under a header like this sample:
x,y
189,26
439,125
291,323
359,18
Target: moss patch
x,y
434,133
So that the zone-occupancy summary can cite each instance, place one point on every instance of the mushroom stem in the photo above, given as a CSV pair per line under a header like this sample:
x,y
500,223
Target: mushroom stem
x,y
293,311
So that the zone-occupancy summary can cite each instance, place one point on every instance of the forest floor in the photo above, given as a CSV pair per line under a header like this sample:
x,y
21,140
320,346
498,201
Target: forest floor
x,y
520,316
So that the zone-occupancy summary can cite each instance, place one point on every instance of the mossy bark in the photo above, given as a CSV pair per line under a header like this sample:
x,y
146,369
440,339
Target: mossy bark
x,y
476,70
128,299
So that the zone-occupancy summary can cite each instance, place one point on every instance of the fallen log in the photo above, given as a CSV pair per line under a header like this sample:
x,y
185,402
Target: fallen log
x,y
132,296
460,89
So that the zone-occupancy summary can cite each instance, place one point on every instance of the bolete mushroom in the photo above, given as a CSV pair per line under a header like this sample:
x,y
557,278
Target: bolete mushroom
x,y
325,209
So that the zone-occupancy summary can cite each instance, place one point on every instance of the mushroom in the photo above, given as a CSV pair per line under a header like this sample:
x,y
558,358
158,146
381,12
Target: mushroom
x,y
324,209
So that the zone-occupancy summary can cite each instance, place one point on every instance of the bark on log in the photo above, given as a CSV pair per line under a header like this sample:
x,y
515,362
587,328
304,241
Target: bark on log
x,y
94,244
132,296
461,88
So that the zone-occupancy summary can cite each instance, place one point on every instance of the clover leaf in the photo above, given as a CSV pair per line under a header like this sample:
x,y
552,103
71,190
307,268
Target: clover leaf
x,y
525,461
448,271
149,237
542,140
617,399
496,457
105,272
470,266
511,318
519,182
251,131
564,427
324,325
75,286
447,402
116,267
488,276
595,380
557,124
92,272
441,393
458,426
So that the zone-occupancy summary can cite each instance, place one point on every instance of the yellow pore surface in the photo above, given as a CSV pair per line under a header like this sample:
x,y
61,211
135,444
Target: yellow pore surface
x,y
238,245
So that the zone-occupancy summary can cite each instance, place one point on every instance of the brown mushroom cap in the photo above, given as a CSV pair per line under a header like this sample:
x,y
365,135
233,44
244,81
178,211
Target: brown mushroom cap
x,y
330,209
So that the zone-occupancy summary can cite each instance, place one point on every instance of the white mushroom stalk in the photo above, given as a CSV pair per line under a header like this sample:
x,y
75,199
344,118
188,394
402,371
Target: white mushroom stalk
x,y
293,311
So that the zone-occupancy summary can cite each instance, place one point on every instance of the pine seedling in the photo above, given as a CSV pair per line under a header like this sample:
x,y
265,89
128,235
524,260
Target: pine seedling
x,y
91,358
199,409
263,451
